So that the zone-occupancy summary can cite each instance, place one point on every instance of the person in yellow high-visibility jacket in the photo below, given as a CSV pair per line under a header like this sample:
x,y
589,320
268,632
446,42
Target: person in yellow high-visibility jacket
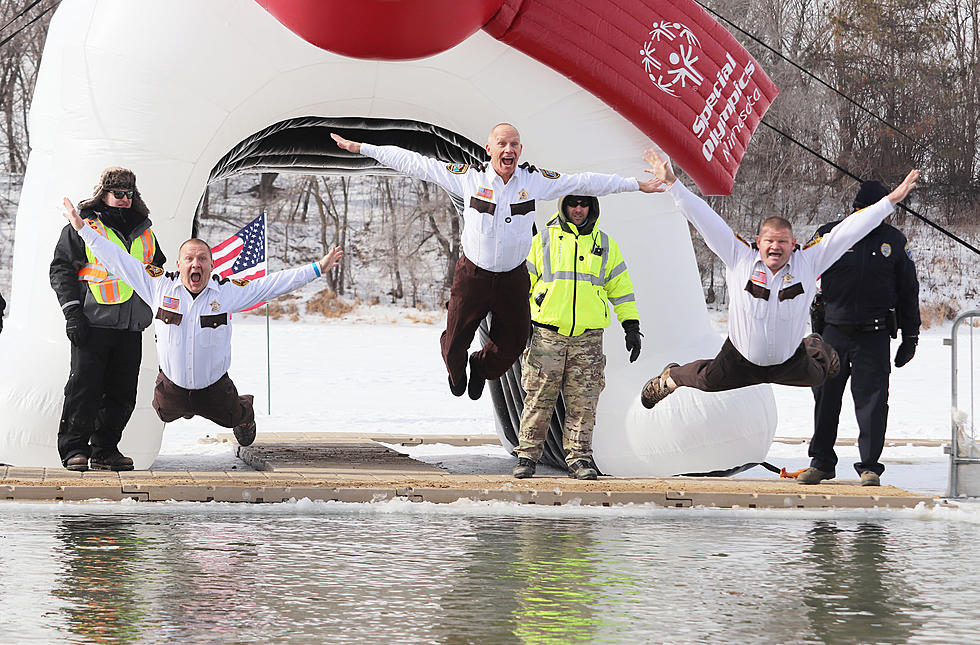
x,y
104,322
577,275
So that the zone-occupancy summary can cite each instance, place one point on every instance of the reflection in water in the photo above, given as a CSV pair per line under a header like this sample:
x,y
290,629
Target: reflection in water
x,y
311,573
542,579
100,583
856,591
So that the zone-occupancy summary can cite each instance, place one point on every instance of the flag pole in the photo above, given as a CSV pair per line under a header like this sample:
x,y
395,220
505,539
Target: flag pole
x,y
268,335
268,362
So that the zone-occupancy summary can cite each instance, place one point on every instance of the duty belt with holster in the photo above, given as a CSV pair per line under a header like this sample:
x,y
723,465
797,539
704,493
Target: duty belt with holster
x,y
889,322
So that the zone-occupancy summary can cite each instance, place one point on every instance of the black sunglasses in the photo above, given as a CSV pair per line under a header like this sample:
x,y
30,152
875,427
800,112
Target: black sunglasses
x,y
119,194
572,202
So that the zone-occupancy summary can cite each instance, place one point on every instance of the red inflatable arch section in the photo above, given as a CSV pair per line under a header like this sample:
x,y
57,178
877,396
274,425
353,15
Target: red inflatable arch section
x,y
665,65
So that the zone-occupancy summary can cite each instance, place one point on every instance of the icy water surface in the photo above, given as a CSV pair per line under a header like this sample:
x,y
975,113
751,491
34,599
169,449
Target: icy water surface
x,y
418,573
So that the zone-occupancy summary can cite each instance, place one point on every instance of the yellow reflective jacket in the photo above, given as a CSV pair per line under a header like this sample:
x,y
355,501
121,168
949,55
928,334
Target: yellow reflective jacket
x,y
575,277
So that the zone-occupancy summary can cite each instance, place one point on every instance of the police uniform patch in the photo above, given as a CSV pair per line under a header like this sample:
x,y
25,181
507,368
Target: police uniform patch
x,y
239,282
886,249
550,174
154,271
908,251
812,242
457,168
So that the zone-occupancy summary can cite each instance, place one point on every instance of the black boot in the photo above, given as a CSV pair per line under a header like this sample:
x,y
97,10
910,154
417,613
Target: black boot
x,y
524,468
115,462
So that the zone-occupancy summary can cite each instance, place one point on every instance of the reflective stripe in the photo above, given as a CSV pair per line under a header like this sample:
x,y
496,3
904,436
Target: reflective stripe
x,y
604,242
93,273
621,299
546,275
621,268
531,269
572,275
146,237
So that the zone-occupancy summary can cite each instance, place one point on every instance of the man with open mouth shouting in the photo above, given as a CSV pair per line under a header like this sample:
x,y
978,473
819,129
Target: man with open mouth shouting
x,y
770,288
491,275
192,317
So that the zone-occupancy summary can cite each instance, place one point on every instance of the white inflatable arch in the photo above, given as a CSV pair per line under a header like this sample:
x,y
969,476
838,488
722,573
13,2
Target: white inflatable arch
x,y
170,88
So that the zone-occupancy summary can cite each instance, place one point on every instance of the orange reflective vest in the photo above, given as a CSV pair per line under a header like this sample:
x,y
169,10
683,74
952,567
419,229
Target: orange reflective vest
x,y
106,289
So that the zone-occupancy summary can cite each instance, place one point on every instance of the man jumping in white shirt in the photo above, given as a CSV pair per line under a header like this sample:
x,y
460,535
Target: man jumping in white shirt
x,y
491,275
769,295
193,324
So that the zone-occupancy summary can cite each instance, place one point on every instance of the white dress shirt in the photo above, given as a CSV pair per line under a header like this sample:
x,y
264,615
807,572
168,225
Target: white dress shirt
x,y
193,334
767,312
498,217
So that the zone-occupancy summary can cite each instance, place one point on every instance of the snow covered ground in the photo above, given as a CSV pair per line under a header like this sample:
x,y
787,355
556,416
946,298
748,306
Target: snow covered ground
x,y
376,371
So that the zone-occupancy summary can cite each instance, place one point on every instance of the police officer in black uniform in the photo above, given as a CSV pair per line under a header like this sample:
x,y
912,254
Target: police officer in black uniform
x,y
869,294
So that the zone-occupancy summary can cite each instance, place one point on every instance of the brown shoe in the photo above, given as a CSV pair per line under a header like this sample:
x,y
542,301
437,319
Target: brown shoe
x,y
870,478
814,476
245,433
77,463
115,462
656,389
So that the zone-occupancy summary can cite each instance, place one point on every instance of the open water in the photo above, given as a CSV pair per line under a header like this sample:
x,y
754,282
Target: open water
x,y
484,573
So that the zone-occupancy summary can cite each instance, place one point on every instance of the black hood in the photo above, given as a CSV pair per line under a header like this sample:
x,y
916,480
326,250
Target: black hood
x,y
589,223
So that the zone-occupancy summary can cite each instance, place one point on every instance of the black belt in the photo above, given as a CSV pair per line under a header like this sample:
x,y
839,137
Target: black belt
x,y
553,327
878,324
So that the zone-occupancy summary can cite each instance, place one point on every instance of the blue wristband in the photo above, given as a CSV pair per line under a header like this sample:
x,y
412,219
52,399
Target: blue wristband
x,y
316,269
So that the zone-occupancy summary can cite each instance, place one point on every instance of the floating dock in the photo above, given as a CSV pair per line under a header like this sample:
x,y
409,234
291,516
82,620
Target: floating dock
x,y
359,468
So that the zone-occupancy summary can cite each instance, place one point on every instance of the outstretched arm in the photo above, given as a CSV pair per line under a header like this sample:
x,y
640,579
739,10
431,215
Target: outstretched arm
x,y
843,236
716,233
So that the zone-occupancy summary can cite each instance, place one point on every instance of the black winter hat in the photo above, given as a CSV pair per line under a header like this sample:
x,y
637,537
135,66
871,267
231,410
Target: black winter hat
x,y
870,193
116,178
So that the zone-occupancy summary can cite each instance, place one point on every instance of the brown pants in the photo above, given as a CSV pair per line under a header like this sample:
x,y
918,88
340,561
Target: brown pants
x,y
218,402
729,370
475,293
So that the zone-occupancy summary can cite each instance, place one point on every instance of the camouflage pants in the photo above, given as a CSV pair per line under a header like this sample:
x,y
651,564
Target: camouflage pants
x,y
556,364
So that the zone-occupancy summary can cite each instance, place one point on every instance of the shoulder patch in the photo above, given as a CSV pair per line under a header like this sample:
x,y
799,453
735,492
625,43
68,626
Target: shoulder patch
x,y
812,242
154,271
550,174
239,282
457,168
741,239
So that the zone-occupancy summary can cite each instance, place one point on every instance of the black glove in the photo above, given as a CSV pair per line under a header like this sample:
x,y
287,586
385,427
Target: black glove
x,y
632,329
906,350
76,326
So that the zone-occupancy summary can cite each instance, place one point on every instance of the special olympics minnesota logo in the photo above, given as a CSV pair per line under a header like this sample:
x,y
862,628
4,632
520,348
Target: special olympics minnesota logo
x,y
669,57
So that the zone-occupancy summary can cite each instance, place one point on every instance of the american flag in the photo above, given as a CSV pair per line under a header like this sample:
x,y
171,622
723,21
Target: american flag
x,y
243,254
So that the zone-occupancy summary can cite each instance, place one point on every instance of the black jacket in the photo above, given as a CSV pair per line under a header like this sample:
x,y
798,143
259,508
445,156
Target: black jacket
x,y
69,257
871,278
